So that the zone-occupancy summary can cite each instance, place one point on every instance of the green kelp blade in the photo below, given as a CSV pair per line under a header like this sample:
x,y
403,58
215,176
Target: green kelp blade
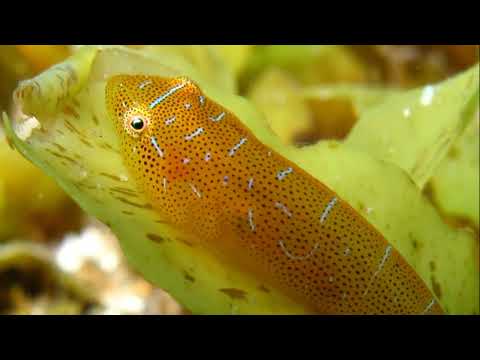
x,y
415,129
310,64
455,185
206,60
362,97
277,95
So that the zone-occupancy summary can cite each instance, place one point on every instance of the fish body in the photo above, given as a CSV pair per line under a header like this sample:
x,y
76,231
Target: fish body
x,y
207,174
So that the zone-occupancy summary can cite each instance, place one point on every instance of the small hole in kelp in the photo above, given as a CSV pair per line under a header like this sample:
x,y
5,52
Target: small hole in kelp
x,y
332,119
24,129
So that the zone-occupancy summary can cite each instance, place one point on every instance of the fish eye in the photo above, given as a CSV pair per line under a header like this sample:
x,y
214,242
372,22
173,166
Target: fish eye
x,y
137,123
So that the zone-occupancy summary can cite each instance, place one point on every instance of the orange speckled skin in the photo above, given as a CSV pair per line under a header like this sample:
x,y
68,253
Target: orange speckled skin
x,y
207,174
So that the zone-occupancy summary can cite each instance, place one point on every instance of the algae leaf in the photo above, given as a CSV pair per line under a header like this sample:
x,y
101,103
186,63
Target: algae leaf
x,y
415,129
76,145
295,111
277,95
207,60
311,64
455,184
362,97
235,56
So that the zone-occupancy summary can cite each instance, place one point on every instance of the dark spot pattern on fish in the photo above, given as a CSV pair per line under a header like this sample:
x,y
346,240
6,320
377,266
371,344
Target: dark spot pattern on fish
x,y
210,177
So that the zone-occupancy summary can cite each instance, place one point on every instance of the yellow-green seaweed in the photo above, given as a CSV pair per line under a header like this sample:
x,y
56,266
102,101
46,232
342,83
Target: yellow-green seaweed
x,y
311,64
278,97
415,129
31,203
455,184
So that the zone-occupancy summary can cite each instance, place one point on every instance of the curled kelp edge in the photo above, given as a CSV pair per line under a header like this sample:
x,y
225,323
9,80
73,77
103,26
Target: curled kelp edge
x,y
99,184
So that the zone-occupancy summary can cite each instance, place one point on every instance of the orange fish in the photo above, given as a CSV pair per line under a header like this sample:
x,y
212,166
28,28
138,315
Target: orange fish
x,y
208,175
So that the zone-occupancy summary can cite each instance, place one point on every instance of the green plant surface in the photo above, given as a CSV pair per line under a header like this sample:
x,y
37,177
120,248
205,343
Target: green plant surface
x,y
416,129
337,107
361,97
12,67
75,143
208,60
278,97
2,199
31,203
454,185
294,111
235,56
311,64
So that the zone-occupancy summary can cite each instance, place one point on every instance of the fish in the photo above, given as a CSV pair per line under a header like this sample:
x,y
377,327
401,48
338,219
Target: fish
x,y
208,175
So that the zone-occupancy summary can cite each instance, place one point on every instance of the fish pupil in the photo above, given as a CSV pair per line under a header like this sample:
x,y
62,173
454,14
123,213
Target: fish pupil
x,y
137,123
